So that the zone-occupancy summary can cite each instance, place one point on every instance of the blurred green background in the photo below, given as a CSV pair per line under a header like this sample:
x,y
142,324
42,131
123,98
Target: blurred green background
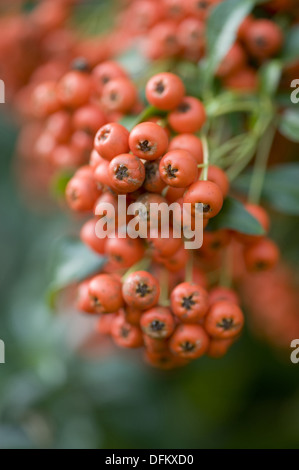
x,y
51,397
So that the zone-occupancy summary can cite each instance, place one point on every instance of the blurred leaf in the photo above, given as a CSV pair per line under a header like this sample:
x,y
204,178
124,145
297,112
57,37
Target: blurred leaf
x,y
73,262
270,74
133,61
59,183
280,189
289,125
223,24
234,216
290,51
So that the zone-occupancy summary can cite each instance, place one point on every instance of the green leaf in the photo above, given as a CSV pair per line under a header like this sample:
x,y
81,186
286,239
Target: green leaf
x,y
290,51
131,121
270,74
289,125
59,183
72,261
234,216
222,27
280,189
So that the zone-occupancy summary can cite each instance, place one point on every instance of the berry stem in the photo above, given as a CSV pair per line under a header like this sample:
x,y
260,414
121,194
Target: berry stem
x,y
225,278
189,268
204,174
164,282
142,265
260,165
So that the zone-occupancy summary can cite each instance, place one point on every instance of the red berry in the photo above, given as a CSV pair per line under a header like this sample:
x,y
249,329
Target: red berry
x,y
105,293
157,322
189,302
178,168
188,117
165,91
112,140
148,141
126,173
141,290
189,341
224,320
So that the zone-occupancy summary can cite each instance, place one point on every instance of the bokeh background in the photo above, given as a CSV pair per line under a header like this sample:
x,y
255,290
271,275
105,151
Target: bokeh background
x,y
61,392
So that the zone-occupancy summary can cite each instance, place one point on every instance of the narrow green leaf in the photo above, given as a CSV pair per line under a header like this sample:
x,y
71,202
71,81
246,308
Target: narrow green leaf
x,y
290,51
59,183
270,74
234,216
223,24
289,125
131,121
280,189
72,262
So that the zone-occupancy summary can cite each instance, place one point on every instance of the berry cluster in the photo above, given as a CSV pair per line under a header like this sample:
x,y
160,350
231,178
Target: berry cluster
x,y
162,161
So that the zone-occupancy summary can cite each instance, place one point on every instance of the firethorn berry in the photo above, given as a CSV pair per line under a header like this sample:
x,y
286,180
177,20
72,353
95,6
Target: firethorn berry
x,y
263,38
83,143
119,94
105,293
164,360
175,9
218,176
261,256
141,290
189,341
89,237
153,181
104,324
158,322
244,80
190,143
45,100
218,347
126,173
95,159
178,168
189,302
112,140
243,28
234,60
84,171
89,119
164,246
59,125
100,208
162,40
124,334
101,175
148,141
148,199
132,315
165,91
224,320
124,252
74,89
188,117
83,302
155,345
177,261
214,241
173,194
206,193
191,37
81,193
105,72
223,293
66,156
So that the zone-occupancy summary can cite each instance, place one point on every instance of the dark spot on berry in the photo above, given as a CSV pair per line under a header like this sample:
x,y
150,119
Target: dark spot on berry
x,y
113,96
261,41
261,265
187,302
142,289
215,245
170,40
202,4
206,208
105,79
157,325
124,332
80,64
160,87
117,258
187,346
144,146
183,107
104,134
122,172
95,301
226,324
171,172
